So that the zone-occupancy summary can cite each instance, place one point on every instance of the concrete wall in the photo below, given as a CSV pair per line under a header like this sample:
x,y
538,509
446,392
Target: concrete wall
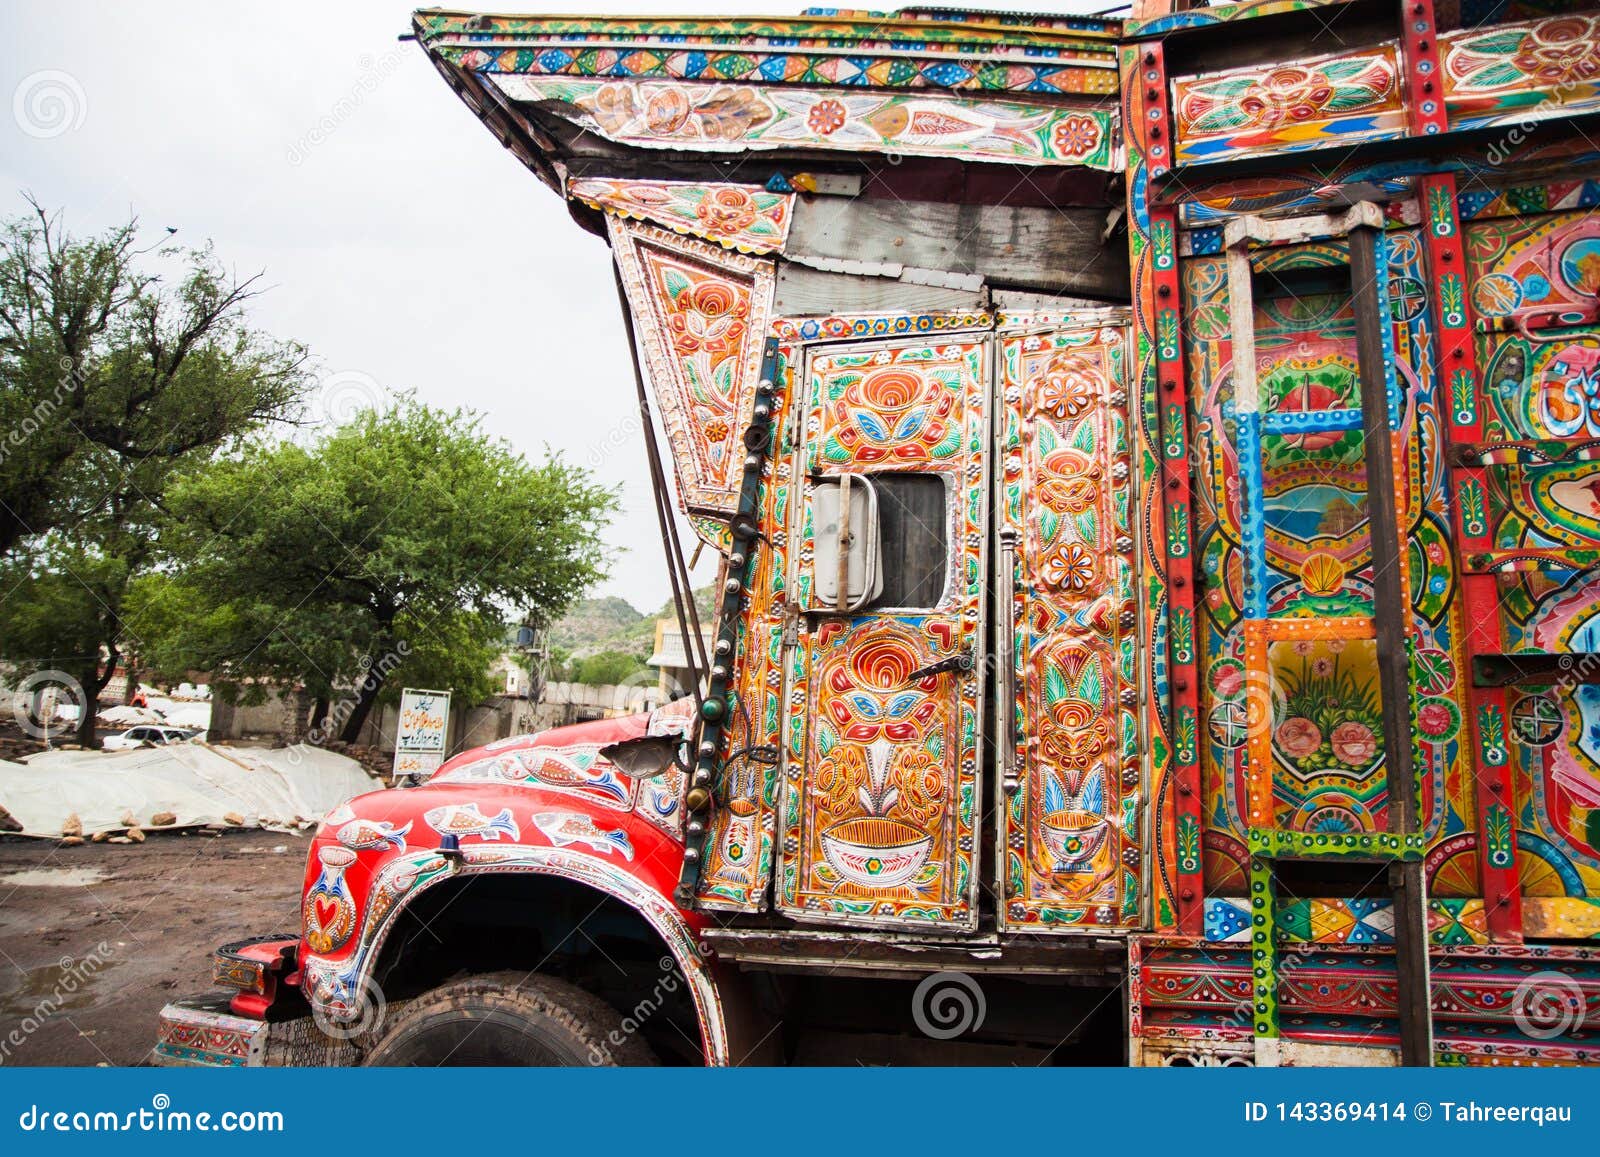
x,y
284,716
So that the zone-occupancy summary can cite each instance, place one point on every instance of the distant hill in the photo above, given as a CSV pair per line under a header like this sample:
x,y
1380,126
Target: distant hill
x,y
613,624
606,624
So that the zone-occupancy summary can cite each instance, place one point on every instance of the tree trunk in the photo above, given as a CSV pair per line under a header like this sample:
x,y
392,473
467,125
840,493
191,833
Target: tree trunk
x,y
92,682
319,713
366,696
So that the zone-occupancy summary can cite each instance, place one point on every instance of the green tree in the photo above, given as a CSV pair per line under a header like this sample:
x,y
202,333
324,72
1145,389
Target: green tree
x,y
393,549
606,668
110,375
112,379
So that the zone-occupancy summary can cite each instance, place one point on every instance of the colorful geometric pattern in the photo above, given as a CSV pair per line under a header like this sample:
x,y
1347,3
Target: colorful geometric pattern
x,y
1043,56
190,1034
1520,200
1346,921
740,117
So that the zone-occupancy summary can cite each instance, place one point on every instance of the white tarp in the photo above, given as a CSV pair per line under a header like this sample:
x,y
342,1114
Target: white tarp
x,y
198,783
123,716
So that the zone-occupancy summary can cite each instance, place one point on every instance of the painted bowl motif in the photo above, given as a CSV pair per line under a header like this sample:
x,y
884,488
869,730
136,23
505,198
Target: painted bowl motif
x,y
876,852
1073,838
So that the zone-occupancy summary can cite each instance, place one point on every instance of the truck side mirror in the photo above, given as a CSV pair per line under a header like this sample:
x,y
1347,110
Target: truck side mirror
x,y
847,545
644,757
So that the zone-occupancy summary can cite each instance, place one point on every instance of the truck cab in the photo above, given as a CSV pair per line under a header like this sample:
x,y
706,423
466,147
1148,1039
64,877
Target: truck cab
x,y
1147,460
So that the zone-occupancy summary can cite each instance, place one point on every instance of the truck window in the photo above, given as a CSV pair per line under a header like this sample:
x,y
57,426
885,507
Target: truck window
x,y
914,531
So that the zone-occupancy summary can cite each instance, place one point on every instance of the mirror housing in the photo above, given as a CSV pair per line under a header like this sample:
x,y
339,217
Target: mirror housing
x,y
645,757
861,552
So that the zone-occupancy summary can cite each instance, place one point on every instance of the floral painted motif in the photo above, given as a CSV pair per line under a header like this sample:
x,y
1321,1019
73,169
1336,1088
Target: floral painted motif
x,y
1282,108
1518,72
702,314
742,217
1069,854
927,52
737,117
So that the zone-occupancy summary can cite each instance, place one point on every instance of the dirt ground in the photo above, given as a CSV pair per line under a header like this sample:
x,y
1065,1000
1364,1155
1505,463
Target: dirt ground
x,y
157,908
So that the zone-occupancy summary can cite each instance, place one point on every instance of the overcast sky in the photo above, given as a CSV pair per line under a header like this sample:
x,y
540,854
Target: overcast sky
x,y
400,241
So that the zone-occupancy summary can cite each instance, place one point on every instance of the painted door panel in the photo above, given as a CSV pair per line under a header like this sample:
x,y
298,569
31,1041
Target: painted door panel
x,y
1069,854
1532,279
880,798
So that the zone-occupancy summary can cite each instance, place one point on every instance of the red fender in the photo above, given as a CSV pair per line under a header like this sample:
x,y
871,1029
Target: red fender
x,y
548,803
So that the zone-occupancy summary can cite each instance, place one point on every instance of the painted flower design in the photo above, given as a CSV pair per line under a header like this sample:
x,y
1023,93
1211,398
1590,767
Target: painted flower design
x,y
1070,566
1322,668
826,117
1299,737
1354,744
1068,388
1067,482
1559,52
666,112
728,210
1227,680
1289,95
614,108
1437,720
710,316
1076,136
729,113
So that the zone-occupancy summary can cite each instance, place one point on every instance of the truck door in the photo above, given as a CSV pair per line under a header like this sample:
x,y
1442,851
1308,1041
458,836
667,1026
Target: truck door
x,y
880,808
1070,852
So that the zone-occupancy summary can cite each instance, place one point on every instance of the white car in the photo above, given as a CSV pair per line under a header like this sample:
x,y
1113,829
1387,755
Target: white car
x,y
148,734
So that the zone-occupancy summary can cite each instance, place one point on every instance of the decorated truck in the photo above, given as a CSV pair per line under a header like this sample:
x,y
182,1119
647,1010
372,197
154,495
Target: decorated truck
x,y
1152,462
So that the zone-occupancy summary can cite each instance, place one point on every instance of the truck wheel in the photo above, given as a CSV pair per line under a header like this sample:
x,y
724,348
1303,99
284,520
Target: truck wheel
x,y
509,1018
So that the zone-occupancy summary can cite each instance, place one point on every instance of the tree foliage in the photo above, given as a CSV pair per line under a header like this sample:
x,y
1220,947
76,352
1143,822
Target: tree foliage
x,y
113,377
393,549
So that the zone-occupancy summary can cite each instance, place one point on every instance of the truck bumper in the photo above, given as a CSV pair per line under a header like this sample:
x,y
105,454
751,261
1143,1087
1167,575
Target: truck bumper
x,y
203,1032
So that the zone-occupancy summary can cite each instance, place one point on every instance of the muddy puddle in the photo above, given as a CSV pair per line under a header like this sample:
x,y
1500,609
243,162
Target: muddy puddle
x,y
65,986
52,878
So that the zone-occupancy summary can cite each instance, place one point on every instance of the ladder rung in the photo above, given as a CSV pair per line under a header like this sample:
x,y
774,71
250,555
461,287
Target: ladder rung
x,y
1512,668
1360,847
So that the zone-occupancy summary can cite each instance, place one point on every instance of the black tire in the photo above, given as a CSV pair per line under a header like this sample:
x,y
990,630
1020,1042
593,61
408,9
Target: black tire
x,y
509,1018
